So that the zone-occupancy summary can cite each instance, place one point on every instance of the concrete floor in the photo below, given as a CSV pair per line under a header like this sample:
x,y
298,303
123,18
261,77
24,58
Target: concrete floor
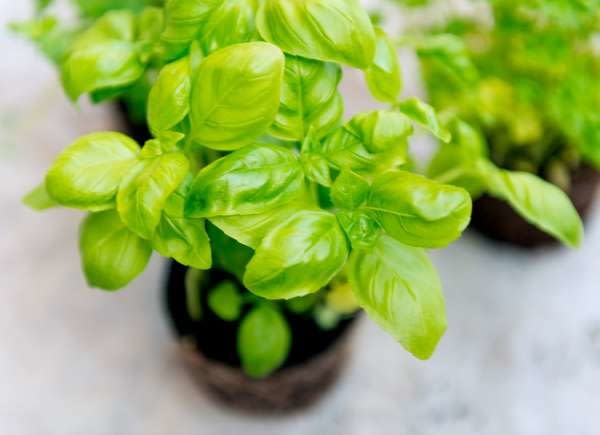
x,y
521,357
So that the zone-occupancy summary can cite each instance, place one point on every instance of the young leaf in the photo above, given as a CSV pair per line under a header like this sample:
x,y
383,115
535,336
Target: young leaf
x,y
538,201
38,199
298,257
360,226
252,180
250,230
309,99
327,30
184,240
103,57
399,289
169,99
424,115
226,301
370,140
144,192
264,340
235,95
417,211
383,76
184,19
233,22
349,191
87,174
112,255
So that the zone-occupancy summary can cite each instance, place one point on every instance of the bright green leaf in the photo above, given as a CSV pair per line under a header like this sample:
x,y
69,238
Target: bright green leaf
x,y
112,255
226,301
264,341
38,199
417,211
252,180
309,99
169,99
87,174
235,95
424,115
144,192
538,201
327,30
298,257
384,76
400,290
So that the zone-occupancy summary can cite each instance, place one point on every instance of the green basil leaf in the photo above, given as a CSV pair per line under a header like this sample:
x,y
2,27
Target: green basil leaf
x,y
399,289
360,226
87,174
250,230
424,115
417,211
316,168
144,192
233,22
150,24
184,240
169,99
349,191
264,341
184,19
235,95
327,30
309,99
539,202
384,77
252,180
226,301
38,199
52,37
112,255
298,257
377,139
105,56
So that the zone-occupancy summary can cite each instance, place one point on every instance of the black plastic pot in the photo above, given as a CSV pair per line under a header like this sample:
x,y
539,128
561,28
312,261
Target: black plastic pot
x,y
208,346
498,221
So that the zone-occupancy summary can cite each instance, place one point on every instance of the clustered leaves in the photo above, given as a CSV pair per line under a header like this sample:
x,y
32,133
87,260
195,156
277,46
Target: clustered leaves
x,y
521,95
253,169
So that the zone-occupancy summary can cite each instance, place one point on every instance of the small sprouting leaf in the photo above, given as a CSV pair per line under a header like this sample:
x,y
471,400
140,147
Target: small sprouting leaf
x,y
235,95
87,174
112,255
298,257
226,301
417,211
384,76
327,30
38,199
424,115
144,192
400,290
349,190
264,341
252,180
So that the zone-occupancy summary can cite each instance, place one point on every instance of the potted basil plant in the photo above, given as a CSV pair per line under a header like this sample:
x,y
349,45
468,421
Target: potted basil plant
x,y
281,219
525,86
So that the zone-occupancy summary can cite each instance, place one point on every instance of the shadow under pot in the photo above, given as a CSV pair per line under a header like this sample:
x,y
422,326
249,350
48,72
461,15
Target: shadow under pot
x,y
497,220
209,349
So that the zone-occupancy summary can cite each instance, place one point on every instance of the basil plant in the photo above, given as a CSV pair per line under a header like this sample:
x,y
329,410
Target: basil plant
x,y
252,168
522,94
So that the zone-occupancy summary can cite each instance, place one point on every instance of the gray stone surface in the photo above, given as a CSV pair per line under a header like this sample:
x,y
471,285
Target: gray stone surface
x,y
521,357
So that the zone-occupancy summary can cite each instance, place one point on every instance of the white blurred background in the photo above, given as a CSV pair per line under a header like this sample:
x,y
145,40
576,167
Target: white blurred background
x,y
521,356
